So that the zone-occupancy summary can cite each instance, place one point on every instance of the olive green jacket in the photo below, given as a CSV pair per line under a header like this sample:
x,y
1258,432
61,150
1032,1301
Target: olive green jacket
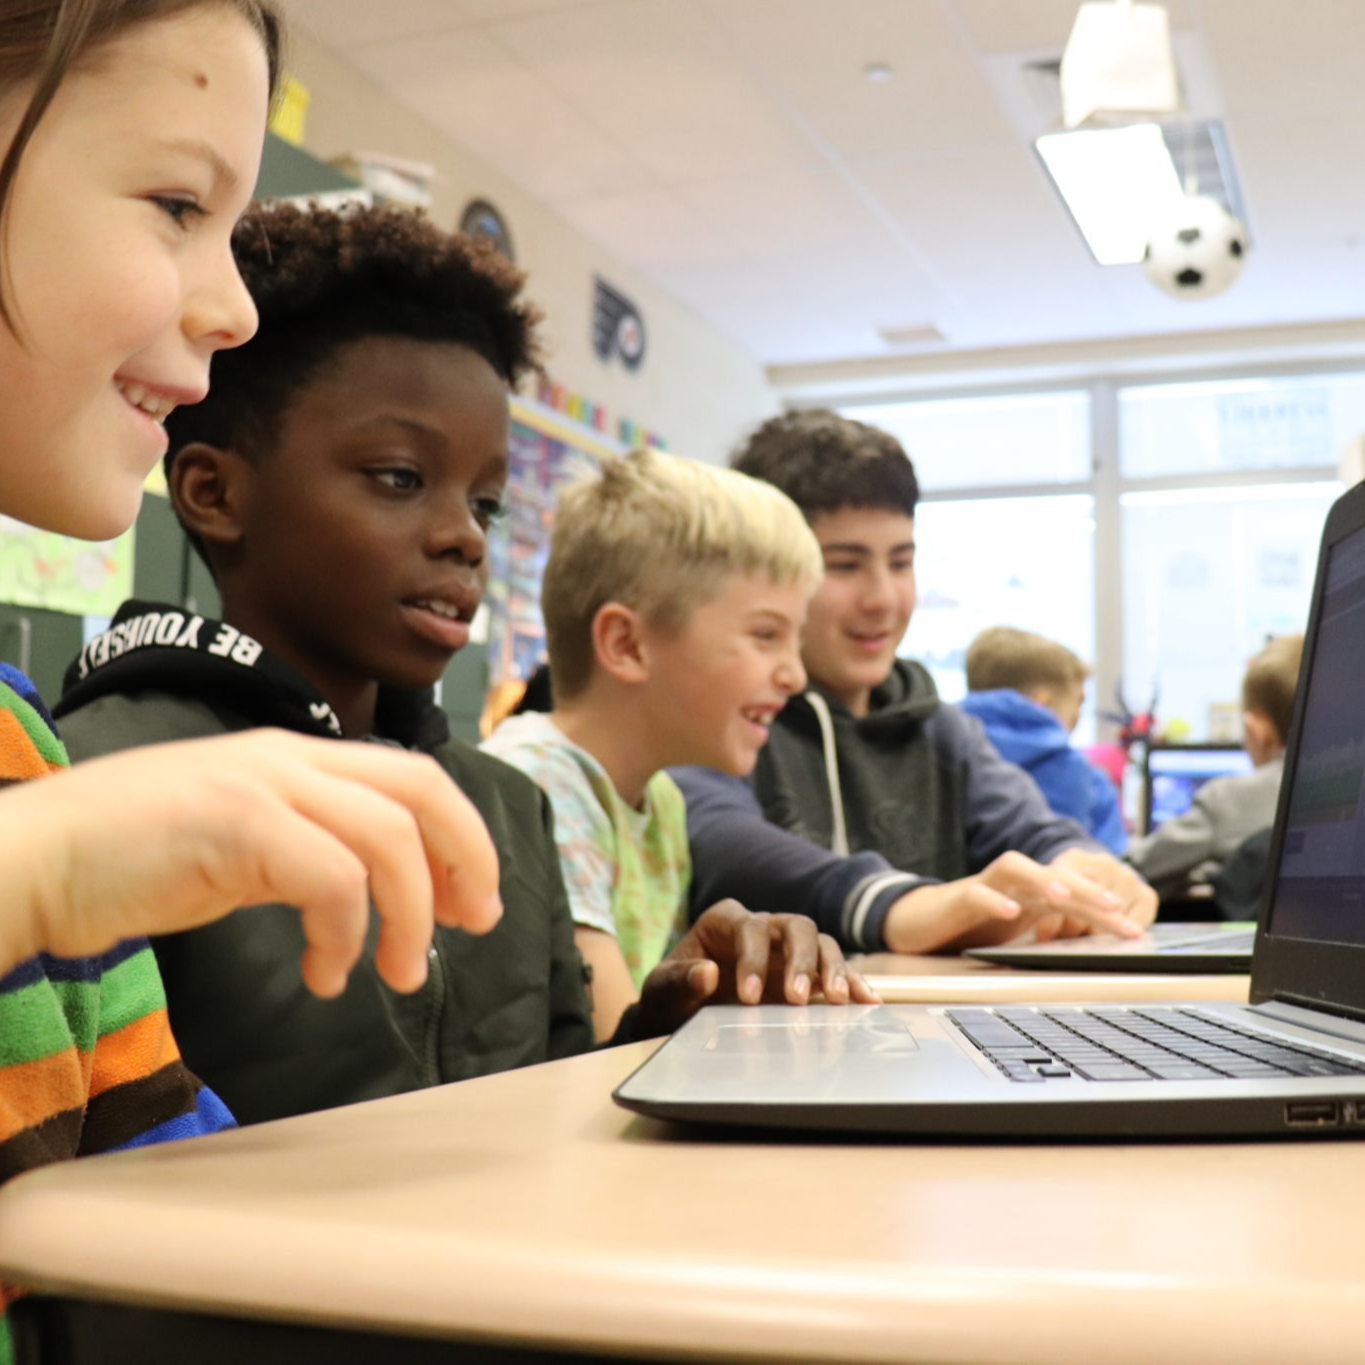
x,y
245,1022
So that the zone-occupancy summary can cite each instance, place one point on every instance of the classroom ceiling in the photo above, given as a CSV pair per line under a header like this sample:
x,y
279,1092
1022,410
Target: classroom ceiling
x,y
735,153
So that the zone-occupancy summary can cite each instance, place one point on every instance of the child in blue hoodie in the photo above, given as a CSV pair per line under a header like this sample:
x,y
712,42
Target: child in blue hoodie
x,y
1027,691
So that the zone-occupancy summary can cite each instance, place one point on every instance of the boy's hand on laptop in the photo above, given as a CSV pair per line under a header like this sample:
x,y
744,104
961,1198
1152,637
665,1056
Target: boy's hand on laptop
x,y
1011,896
1139,900
733,956
173,836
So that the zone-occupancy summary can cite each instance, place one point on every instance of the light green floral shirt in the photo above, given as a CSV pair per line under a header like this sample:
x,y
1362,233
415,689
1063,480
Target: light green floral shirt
x,y
626,871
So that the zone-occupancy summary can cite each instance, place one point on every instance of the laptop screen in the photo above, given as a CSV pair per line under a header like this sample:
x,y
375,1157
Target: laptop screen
x,y
1175,773
1320,889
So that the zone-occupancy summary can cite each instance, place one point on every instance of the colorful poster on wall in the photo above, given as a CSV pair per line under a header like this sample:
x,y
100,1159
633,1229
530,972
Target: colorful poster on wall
x,y
40,569
546,453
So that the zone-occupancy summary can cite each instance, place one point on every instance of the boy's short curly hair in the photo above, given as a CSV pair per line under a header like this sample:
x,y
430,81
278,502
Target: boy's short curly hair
x,y
323,278
824,462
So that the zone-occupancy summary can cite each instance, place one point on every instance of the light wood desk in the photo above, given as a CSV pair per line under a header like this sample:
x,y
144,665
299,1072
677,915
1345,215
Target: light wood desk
x,y
928,980
527,1210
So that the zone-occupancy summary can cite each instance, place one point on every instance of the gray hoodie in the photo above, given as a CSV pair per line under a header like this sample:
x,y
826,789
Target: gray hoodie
x,y
1192,847
913,790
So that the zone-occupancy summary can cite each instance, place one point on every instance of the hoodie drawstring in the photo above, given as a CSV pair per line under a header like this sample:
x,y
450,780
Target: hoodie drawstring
x,y
839,834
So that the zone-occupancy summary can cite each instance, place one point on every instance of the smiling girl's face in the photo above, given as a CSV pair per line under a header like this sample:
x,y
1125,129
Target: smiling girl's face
x,y
118,270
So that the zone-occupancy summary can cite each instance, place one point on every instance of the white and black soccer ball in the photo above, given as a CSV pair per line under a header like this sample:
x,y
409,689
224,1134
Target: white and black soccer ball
x,y
1196,250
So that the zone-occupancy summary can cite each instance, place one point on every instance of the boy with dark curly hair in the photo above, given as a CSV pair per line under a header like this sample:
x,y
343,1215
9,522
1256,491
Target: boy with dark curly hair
x,y
869,760
339,482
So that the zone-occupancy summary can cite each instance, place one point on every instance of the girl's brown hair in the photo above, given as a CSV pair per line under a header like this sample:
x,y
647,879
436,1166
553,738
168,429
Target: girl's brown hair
x,y
42,40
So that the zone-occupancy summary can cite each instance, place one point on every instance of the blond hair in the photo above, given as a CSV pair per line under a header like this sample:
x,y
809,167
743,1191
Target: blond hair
x,y
1271,680
1002,656
660,535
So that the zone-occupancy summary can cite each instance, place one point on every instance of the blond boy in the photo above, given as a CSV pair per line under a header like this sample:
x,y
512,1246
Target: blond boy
x,y
1027,691
1192,847
673,598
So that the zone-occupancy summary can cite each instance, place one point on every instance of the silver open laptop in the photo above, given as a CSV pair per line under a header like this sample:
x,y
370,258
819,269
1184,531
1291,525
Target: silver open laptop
x,y
1292,1063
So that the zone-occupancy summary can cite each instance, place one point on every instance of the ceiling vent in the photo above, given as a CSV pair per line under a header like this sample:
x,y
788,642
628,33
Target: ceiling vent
x,y
925,334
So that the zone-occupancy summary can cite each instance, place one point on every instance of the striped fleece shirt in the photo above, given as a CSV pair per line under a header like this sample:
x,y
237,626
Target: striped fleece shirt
x,y
87,1060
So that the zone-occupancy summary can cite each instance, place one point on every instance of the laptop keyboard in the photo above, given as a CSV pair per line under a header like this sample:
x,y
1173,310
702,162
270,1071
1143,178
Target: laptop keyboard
x,y
1117,1044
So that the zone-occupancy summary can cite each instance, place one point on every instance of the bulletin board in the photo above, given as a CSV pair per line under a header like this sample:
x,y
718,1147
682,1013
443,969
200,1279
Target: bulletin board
x,y
546,452
43,569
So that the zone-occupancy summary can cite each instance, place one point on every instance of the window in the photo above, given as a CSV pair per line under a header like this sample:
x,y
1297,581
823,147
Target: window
x,y
1234,425
1034,438
1026,562
1208,576
1215,491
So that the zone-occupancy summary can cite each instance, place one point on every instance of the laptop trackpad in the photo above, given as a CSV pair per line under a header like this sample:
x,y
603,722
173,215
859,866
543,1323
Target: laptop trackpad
x,y
812,1038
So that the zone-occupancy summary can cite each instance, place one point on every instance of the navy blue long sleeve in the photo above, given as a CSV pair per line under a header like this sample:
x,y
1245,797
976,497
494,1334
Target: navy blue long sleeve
x,y
736,852
917,794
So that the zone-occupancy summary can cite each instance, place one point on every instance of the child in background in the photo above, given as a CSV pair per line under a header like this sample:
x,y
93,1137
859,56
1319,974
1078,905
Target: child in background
x,y
1190,848
1027,691
339,481
673,601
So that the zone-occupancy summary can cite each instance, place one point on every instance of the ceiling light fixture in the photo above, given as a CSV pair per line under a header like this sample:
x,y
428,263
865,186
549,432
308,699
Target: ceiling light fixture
x,y
1118,65
1113,181
878,72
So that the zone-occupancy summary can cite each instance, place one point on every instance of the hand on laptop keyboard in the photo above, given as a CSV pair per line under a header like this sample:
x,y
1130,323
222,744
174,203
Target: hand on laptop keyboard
x,y
732,956
1139,901
1014,894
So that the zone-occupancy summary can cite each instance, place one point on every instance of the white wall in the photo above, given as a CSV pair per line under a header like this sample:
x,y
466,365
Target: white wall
x,y
697,389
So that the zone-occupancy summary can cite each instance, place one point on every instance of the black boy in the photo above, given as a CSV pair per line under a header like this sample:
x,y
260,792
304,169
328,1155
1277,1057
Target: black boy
x,y
339,482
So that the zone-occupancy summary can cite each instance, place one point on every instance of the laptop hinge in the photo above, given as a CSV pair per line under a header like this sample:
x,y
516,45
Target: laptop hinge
x,y
1338,1020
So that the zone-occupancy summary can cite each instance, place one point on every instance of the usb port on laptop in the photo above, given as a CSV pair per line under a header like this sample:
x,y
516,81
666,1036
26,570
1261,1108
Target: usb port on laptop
x,y
1312,1113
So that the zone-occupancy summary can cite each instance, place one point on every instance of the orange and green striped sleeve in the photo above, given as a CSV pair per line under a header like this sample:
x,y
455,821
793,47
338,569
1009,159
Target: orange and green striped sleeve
x,y
87,1060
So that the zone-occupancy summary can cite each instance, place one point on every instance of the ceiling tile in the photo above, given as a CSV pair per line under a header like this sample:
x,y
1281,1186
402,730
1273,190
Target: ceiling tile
x,y
758,308
354,23
1257,299
343,24
494,11
1293,177
650,228
996,26
989,224
815,53
732,150
796,209
656,76
1292,58
866,293
487,100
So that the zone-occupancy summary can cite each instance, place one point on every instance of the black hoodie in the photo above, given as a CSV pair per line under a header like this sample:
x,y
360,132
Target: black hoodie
x,y
238,1007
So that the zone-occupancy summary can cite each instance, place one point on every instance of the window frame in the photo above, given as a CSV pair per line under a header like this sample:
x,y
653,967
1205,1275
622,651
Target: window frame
x,y
1107,484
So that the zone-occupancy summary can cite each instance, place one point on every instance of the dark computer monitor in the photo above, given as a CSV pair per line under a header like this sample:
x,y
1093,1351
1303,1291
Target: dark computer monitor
x,y
1174,772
